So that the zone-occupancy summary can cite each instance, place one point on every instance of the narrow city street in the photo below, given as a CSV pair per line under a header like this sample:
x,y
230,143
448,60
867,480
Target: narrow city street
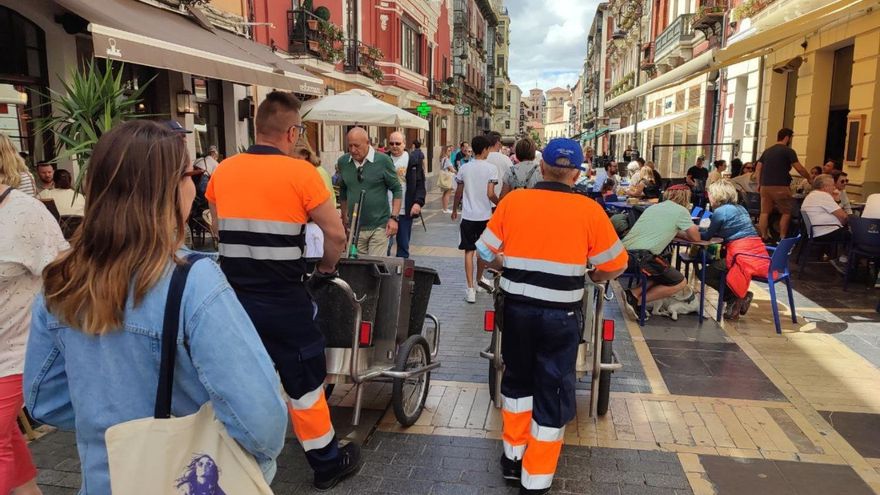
x,y
696,409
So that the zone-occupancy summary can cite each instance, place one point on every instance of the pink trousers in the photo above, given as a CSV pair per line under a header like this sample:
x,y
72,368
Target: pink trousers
x,y
16,466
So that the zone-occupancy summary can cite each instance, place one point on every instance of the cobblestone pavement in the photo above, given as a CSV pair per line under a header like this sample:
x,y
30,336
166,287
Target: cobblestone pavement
x,y
730,408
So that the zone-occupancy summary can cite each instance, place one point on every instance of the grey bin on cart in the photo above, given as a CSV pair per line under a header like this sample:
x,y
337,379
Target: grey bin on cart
x,y
365,278
424,279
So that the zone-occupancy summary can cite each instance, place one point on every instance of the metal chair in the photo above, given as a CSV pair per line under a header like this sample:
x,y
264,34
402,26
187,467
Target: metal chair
x,y
778,272
810,241
865,243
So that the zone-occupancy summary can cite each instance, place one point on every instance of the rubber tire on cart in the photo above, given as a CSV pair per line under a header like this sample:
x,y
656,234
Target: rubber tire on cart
x,y
413,353
604,380
492,371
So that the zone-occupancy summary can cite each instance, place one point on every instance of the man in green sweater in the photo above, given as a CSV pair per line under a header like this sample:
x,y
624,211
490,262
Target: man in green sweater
x,y
363,168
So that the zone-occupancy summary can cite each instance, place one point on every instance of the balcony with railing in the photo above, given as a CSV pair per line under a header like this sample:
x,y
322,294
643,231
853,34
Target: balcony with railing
x,y
709,16
313,37
647,63
675,43
443,91
361,58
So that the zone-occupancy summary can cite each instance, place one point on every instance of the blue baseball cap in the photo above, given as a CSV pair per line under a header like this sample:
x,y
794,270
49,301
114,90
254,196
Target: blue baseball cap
x,y
176,127
564,153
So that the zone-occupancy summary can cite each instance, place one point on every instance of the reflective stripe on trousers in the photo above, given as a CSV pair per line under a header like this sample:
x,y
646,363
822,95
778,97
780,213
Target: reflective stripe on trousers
x,y
516,414
311,420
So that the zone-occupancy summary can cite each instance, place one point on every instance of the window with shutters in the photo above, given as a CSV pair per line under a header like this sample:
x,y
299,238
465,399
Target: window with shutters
x,y
411,54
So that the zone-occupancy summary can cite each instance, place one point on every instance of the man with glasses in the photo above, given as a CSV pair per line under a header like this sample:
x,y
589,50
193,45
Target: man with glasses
x,y
840,182
363,169
261,201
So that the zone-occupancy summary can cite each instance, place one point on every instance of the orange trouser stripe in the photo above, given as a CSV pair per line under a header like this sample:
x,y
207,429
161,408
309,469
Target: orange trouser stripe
x,y
516,427
313,422
542,457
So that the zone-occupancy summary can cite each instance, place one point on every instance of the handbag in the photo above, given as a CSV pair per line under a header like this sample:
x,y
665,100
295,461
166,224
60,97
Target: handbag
x,y
444,181
187,455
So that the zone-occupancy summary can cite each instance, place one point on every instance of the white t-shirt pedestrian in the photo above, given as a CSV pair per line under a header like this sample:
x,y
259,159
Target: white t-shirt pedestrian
x,y
400,164
503,164
872,207
476,175
820,207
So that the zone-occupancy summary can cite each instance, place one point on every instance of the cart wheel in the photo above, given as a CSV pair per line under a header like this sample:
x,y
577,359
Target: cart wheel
x,y
492,371
408,395
604,381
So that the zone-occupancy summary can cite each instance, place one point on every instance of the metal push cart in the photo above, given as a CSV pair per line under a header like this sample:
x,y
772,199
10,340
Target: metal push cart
x,y
373,317
595,354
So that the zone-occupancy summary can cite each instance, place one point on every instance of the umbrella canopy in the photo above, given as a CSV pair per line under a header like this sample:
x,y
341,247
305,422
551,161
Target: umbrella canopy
x,y
357,106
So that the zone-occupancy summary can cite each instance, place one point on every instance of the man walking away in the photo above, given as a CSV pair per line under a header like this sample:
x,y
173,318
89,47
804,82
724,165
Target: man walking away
x,y
413,199
773,173
501,161
261,201
476,185
696,178
543,285
362,168
527,171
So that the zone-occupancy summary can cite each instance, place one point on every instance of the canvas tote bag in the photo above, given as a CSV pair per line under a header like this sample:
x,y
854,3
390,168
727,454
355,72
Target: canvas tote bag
x,y
191,455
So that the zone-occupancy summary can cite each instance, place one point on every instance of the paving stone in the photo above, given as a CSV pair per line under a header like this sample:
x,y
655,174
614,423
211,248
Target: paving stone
x,y
454,489
406,487
666,481
436,474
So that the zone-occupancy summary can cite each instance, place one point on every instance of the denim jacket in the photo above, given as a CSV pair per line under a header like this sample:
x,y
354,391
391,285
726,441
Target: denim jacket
x,y
88,383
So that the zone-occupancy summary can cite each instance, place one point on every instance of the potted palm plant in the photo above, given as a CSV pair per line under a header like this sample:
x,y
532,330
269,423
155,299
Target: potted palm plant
x,y
94,99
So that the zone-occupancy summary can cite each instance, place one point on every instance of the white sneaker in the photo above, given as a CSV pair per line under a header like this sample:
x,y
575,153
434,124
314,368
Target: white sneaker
x,y
447,211
471,296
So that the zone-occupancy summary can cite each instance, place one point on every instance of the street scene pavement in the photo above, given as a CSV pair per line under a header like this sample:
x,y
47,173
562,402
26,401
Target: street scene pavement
x,y
702,409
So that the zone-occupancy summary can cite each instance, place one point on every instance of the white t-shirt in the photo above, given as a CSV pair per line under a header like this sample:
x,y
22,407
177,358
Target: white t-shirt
x,y
476,175
872,207
503,164
400,164
819,206
67,201
30,239
206,163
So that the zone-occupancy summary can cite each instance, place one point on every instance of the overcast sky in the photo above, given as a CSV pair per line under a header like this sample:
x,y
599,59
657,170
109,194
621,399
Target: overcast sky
x,y
548,41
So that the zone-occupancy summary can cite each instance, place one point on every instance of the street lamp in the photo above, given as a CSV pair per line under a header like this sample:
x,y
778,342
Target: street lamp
x,y
632,8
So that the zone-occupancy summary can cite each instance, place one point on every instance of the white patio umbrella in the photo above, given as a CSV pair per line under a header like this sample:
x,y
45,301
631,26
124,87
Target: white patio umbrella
x,y
357,106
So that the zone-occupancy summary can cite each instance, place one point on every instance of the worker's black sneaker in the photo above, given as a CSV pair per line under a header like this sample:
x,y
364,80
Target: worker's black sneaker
x,y
746,303
511,470
347,464
525,491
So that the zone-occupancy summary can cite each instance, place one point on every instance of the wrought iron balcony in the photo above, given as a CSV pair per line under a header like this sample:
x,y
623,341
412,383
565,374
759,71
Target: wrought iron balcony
x,y
675,42
311,36
361,58
709,16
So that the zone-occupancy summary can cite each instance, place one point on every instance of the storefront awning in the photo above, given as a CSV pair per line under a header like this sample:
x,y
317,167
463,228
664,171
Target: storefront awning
x,y
685,71
134,32
595,134
649,124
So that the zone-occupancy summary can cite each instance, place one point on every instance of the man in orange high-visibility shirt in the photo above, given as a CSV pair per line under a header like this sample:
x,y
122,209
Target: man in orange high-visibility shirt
x,y
261,201
544,253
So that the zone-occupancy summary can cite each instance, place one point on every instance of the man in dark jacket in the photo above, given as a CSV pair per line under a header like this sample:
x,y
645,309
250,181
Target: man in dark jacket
x,y
413,200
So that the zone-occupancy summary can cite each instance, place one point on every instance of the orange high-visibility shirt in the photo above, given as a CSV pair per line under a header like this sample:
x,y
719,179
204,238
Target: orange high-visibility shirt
x,y
548,236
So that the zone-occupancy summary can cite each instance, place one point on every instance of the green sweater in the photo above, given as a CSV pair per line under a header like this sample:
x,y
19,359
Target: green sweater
x,y
379,177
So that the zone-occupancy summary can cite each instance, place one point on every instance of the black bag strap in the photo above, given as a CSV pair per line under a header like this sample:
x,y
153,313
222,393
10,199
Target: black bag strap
x,y
169,338
5,193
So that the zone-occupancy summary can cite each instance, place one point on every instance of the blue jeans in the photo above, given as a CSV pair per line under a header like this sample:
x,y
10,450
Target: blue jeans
x,y
404,232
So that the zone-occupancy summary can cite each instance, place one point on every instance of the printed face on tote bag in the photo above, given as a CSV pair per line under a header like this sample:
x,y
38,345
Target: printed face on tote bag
x,y
201,477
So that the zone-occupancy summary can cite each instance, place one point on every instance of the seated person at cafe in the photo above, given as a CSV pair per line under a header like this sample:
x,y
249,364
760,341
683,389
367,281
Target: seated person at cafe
x,y
645,188
746,181
649,238
731,222
68,202
872,207
826,216
840,182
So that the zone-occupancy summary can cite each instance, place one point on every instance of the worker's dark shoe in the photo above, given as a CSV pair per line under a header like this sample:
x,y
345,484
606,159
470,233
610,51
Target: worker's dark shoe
x,y
511,470
347,464
746,303
525,491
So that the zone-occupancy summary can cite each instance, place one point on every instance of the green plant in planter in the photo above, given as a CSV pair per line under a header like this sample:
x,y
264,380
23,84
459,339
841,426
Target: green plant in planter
x,y
330,42
376,74
308,5
93,102
376,53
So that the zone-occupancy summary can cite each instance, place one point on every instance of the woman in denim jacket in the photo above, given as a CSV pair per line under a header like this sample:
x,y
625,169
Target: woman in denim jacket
x,y
93,355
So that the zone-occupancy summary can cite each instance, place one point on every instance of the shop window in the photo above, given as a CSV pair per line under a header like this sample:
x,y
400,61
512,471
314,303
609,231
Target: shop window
x,y
679,101
208,126
694,100
411,47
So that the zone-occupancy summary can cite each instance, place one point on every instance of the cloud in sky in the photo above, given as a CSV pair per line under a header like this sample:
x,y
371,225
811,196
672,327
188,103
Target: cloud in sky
x,y
548,41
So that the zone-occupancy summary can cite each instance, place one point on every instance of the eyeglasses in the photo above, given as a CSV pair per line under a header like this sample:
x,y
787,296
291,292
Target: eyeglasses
x,y
395,144
748,168
193,173
301,128
360,174
844,181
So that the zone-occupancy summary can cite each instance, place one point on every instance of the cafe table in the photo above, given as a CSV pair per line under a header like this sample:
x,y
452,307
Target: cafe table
x,y
686,243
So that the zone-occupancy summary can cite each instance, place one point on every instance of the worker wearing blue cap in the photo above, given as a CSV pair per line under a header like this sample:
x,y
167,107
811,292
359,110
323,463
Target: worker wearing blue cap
x,y
544,252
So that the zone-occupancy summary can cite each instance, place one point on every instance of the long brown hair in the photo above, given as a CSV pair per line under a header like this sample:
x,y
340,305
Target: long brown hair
x,y
132,226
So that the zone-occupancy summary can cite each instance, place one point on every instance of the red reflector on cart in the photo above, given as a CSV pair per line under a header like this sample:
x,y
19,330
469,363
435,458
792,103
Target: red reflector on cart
x,y
607,329
366,336
489,321
409,272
